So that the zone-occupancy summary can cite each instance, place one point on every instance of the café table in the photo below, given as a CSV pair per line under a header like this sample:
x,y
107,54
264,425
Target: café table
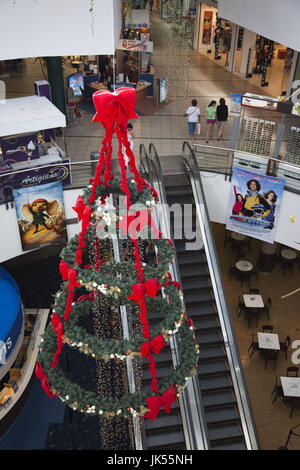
x,y
253,301
289,255
290,386
268,341
237,236
244,265
291,392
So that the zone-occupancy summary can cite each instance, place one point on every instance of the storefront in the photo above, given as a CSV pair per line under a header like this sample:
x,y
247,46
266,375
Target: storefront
x,y
265,63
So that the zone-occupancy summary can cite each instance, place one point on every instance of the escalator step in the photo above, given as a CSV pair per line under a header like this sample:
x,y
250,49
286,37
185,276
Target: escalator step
x,y
203,324
186,260
173,181
215,382
195,285
198,298
161,440
161,422
237,444
225,432
160,372
192,271
178,191
212,367
206,310
181,248
179,199
162,357
214,399
219,415
212,352
209,338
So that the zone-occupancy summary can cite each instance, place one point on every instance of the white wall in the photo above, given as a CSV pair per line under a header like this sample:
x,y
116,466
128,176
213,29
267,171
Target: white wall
x,y
274,19
39,28
217,192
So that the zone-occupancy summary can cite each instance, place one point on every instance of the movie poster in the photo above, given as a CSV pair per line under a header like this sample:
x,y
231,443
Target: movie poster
x,y
207,27
41,215
254,204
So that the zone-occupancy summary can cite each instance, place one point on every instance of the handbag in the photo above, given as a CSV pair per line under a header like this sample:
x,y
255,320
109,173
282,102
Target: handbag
x,y
198,128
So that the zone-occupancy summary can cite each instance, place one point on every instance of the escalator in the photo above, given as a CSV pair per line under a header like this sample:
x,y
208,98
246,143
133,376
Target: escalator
x,y
227,417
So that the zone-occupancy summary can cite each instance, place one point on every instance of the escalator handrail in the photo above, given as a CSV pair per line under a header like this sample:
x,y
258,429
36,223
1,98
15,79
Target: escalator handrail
x,y
192,411
243,399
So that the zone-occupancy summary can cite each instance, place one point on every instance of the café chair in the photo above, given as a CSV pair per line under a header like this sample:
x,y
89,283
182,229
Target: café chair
x,y
241,308
292,371
277,391
292,402
267,308
251,315
253,347
231,271
253,290
269,355
267,329
285,346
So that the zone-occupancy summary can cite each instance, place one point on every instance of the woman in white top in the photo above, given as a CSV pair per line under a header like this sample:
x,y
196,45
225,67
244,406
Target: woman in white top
x,y
193,113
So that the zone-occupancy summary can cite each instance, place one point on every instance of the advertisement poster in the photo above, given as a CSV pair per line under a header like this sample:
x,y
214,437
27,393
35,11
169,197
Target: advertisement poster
x,y
254,204
41,215
20,148
76,82
162,90
236,103
207,27
260,102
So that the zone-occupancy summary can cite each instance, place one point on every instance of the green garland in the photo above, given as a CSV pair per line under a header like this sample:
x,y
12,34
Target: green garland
x,y
113,284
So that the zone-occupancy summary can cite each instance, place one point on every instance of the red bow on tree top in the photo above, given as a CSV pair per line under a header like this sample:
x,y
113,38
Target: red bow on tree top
x,y
117,106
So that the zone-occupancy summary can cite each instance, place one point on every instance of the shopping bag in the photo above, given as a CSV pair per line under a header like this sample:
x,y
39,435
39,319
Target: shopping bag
x,y
198,128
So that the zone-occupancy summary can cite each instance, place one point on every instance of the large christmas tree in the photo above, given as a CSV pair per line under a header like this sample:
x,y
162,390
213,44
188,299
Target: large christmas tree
x,y
105,275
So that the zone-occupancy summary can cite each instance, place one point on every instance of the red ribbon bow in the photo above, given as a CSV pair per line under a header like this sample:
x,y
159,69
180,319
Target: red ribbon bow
x,y
117,106
189,321
79,207
140,289
44,380
156,344
175,283
58,328
154,403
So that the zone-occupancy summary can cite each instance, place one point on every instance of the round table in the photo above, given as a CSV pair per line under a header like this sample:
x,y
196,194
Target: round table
x,y
237,236
289,255
244,265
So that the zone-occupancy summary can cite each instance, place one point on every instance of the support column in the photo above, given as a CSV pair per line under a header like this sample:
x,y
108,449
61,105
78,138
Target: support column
x,y
233,47
56,80
249,40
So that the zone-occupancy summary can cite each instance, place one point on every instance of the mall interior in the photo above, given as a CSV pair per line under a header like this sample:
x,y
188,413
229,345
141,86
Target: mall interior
x,y
185,338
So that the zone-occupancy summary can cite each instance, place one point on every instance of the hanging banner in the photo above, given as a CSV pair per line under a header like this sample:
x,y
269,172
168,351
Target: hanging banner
x,y
254,204
207,27
41,215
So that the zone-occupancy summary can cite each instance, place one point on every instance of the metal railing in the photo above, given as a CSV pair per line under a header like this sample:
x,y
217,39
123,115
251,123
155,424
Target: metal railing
x,y
191,407
240,388
222,160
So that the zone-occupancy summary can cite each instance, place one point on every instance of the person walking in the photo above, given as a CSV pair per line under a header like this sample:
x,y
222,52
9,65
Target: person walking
x,y
211,112
222,116
151,4
194,117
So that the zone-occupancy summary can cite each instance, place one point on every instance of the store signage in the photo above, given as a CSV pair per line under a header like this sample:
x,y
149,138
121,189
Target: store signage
x,y
20,148
258,101
135,45
33,177
254,204
41,215
207,27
